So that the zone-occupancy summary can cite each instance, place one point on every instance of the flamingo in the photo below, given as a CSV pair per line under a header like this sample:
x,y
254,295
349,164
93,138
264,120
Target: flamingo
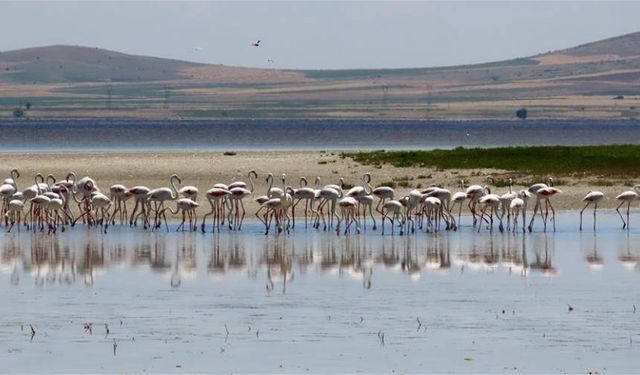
x,y
190,192
330,196
273,192
591,197
383,193
394,208
303,193
217,199
519,205
188,207
7,189
444,195
348,206
14,213
159,196
238,193
366,201
336,187
543,191
533,189
279,208
65,188
627,197
490,201
38,203
140,194
474,193
505,205
102,203
432,207
120,194
458,198
54,207
411,202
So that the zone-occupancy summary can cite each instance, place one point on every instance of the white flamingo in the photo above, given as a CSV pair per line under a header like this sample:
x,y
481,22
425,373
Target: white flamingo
x,y
158,197
188,208
383,193
627,197
592,197
543,191
217,198
7,189
328,196
474,193
38,205
492,202
411,203
348,207
393,211
432,207
238,193
279,208
458,198
119,194
303,193
140,194
519,206
14,213
505,205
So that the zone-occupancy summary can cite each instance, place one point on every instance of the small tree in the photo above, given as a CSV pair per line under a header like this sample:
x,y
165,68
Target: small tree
x,y
522,113
27,105
18,112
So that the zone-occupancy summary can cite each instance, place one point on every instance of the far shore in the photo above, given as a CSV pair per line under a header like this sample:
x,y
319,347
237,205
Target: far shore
x,y
204,169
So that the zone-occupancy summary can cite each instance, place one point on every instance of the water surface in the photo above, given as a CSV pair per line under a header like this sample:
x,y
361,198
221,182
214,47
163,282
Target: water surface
x,y
143,135
316,302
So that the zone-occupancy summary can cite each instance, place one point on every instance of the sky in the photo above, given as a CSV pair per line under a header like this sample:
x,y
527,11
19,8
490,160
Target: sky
x,y
318,35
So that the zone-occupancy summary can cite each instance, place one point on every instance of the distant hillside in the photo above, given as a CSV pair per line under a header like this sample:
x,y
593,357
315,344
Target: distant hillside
x,y
62,63
594,80
83,64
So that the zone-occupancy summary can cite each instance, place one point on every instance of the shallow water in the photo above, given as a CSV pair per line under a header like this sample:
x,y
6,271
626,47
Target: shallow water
x,y
143,135
315,302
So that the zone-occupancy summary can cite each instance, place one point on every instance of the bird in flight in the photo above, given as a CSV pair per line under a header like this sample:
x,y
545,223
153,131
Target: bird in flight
x,y
256,44
270,61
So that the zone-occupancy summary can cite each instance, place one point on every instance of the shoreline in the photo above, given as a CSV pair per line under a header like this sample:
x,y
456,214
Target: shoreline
x,y
203,169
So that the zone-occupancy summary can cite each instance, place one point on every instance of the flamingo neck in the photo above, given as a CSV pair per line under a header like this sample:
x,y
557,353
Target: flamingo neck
x,y
37,184
251,182
174,192
270,181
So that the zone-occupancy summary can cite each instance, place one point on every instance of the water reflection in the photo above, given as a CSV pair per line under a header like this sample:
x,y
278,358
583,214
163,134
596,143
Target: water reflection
x,y
627,256
82,257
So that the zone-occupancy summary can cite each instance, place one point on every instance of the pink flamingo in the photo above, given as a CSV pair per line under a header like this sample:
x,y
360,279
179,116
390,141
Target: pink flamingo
x,y
238,193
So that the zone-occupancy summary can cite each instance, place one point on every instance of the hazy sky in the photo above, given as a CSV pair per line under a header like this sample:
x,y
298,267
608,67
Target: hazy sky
x,y
318,34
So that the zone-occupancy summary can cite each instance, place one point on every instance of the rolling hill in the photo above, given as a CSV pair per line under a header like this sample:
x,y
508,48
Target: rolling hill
x,y
594,80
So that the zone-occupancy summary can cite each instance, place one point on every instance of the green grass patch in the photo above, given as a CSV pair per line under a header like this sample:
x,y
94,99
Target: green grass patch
x,y
616,160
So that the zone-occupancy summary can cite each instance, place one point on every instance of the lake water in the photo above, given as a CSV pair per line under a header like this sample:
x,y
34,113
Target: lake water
x,y
316,302
139,135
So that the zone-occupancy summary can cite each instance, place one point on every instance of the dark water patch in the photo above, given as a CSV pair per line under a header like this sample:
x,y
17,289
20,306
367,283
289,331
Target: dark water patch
x,y
195,135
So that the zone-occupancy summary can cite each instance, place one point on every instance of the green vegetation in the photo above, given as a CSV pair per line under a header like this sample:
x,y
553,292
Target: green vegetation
x,y
617,160
373,73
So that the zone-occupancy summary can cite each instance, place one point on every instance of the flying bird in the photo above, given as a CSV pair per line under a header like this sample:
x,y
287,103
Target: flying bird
x,y
270,61
256,44
198,49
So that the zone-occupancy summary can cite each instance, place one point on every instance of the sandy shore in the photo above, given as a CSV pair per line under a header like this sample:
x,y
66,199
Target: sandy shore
x,y
204,169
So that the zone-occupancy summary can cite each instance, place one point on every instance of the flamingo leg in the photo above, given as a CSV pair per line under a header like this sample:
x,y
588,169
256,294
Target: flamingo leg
x,y
624,224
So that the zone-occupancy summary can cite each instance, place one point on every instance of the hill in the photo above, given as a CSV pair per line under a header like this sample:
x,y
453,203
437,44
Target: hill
x,y
594,80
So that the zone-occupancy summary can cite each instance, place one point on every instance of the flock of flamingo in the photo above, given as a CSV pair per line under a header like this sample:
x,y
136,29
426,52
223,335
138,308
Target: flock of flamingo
x,y
49,204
